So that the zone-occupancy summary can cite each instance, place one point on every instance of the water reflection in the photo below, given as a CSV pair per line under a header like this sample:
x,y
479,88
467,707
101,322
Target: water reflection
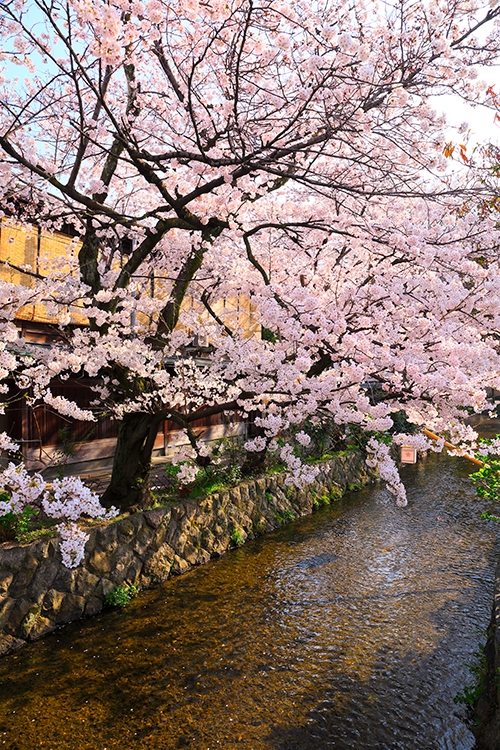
x,y
348,629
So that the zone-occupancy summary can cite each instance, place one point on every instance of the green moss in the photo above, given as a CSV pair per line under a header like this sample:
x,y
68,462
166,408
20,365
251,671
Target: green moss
x,y
286,517
30,620
355,487
478,668
259,527
30,536
164,501
237,537
121,595
275,469
26,526
335,494
207,488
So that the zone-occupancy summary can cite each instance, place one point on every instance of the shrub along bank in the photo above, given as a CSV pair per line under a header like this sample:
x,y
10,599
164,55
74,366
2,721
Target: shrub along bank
x,y
38,593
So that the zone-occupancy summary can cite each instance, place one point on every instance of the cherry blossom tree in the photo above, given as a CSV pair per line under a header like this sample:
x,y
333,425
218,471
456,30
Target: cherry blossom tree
x,y
280,153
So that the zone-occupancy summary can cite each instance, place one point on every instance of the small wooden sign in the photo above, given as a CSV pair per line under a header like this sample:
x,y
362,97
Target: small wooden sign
x,y
408,455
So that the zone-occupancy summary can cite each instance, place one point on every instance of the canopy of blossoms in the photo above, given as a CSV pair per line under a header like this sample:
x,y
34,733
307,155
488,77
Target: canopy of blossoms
x,y
282,154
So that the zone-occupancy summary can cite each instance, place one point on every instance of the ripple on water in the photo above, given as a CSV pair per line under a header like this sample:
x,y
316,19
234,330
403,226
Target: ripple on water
x,y
347,629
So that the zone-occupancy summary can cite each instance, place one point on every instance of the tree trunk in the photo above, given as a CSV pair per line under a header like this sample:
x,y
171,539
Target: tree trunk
x,y
129,485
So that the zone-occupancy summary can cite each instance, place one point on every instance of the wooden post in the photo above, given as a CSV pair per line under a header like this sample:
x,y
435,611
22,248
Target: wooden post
x,y
474,460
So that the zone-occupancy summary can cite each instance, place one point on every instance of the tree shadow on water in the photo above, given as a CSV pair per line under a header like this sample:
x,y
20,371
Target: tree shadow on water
x,y
406,701
405,707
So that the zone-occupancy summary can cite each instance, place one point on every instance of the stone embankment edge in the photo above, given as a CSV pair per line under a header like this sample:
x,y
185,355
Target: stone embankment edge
x,y
38,593
487,710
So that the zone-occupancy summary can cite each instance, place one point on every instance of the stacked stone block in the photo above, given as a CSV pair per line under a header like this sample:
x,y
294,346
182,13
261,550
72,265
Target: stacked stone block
x,y
38,593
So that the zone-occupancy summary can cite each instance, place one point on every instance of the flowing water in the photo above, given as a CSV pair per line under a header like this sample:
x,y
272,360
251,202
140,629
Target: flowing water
x,y
347,629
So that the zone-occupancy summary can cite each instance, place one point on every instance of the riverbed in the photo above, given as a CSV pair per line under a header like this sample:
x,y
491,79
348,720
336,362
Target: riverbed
x,y
350,629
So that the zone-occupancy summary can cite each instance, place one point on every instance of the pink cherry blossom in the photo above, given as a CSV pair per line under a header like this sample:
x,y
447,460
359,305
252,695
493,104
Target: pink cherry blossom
x,y
226,172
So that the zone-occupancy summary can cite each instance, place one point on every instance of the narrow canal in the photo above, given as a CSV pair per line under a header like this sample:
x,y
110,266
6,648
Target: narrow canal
x,y
348,629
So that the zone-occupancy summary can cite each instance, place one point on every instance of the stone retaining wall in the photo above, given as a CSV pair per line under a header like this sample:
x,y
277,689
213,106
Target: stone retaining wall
x,y
38,593
487,710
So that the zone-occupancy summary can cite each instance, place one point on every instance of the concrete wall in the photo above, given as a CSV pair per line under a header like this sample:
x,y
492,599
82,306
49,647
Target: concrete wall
x,y
38,593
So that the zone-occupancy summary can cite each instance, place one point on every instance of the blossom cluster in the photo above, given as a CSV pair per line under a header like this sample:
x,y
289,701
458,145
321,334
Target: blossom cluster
x,y
256,444
68,499
187,473
299,474
489,447
23,488
379,458
72,544
419,441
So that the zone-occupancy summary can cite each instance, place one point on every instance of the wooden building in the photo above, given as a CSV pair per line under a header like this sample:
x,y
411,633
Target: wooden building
x,y
46,437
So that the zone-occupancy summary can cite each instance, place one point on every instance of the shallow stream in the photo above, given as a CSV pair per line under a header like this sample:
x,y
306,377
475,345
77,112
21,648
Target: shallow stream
x,y
348,629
